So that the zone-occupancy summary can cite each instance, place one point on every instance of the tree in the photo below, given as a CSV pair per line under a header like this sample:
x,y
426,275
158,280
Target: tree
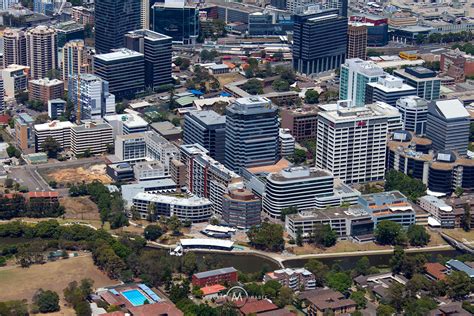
x,y
362,266
299,156
339,281
319,270
12,151
14,308
253,86
280,85
324,235
397,260
420,306
46,301
412,188
267,237
396,295
285,297
418,236
385,310
458,285
189,263
359,298
176,121
51,147
459,191
388,232
153,232
299,237
466,218
311,96
174,224
288,211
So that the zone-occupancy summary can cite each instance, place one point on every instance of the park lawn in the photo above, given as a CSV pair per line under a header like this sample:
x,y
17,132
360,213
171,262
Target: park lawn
x,y
436,239
460,234
18,283
341,246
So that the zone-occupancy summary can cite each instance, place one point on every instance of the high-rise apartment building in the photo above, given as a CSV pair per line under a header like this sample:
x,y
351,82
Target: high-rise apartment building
x,y
2,95
14,47
74,60
351,141
425,81
251,133
157,50
123,69
206,128
319,41
91,93
82,15
414,111
41,51
145,14
447,126
387,89
241,209
177,20
43,90
114,18
355,75
357,41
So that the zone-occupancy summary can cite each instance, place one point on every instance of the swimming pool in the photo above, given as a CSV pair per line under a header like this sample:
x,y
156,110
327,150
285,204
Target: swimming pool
x,y
135,297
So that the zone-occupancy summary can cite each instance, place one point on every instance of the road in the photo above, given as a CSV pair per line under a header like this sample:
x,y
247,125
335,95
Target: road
x,y
29,176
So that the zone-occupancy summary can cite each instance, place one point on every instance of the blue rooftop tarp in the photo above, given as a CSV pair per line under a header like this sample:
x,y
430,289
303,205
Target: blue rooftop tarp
x,y
196,92
225,94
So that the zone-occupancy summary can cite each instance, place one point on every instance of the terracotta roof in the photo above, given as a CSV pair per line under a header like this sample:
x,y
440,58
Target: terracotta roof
x,y
279,166
257,307
161,308
39,194
436,270
117,313
212,289
4,119
278,312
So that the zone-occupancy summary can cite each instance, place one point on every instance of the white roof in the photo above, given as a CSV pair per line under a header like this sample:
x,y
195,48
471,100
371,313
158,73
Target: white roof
x,y
452,109
433,222
220,229
167,199
54,125
206,242
130,120
138,105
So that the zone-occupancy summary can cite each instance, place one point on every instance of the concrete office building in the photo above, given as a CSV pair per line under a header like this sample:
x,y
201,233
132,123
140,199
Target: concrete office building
x,y
319,41
56,108
388,206
414,111
287,143
123,69
425,81
355,75
14,47
302,123
41,51
357,41
114,18
15,79
2,95
439,210
210,179
192,209
24,132
241,209
206,128
183,18
251,133
388,89
161,186
355,161
295,187
158,148
69,31
150,170
448,125
131,147
91,94
127,123
43,90
59,131
74,60
157,50
92,137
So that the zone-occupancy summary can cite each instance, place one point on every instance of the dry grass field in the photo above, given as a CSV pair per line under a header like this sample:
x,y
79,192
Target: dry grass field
x,y
77,174
80,207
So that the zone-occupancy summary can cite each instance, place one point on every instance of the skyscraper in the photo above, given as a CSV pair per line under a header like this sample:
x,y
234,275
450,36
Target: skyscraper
x,y
251,133
94,97
74,60
41,51
414,111
176,19
14,47
206,128
319,41
145,14
123,69
114,18
357,41
157,50
355,75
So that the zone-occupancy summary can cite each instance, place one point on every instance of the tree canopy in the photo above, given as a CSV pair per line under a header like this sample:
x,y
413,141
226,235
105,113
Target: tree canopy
x,y
267,237
412,188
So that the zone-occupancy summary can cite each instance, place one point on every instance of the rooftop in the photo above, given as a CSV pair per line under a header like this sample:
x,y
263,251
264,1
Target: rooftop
x,y
299,173
129,119
47,82
280,165
54,125
367,68
206,274
252,105
166,128
437,202
174,200
330,213
451,109
119,54
412,102
390,84
150,35
91,125
208,117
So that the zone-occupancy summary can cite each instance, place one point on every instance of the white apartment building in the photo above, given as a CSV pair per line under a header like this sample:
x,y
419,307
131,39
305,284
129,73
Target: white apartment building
x,y
441,212
158,148
95,137
59,131
15,79
287,143
295,279
351,142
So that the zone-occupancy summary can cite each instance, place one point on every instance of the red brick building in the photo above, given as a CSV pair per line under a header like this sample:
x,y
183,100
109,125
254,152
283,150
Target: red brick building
x,y
302,123
218,276
44,90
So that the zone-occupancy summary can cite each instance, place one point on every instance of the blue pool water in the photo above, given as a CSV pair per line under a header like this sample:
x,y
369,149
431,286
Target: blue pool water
x,y
135,297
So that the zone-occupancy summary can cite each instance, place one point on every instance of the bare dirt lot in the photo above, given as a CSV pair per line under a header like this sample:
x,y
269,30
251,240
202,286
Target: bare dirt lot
x,y
87,174
18,283
80,207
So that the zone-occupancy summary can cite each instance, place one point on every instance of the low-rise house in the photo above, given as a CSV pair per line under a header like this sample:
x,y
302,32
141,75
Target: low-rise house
x,y
212,291
435,271
321,302
258,307
451,309
456,265
379,283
